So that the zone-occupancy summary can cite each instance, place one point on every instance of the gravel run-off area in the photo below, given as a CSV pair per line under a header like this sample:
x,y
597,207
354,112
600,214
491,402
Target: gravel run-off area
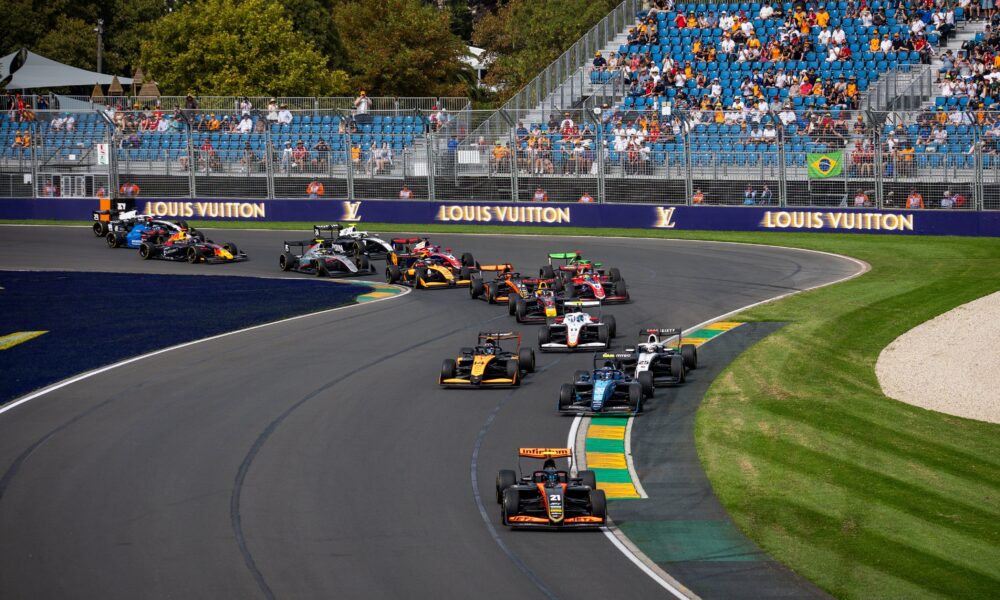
x,y
950,364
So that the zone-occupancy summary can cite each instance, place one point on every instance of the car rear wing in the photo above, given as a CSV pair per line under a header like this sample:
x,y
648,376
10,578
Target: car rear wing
x,y
544,452
582,303
661,334
331,231
616,357
505,268
499,335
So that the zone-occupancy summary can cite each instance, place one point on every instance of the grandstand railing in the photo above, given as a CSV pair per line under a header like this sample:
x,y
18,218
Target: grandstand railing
x,y
873,159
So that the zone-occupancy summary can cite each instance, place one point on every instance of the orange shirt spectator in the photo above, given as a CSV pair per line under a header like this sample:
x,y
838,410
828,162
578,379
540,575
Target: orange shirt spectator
x,y
914,200
129,189
698,198
315,189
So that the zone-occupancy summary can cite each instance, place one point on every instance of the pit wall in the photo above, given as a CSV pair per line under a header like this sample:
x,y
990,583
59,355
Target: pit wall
x,y
631,216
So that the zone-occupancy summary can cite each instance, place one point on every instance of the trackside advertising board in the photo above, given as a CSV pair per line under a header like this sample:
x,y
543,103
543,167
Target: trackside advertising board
x,y
631,216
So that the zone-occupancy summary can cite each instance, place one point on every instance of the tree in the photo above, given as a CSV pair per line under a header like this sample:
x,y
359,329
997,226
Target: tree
x,y
234,47
524,36
314,20
401,47
125,27
71,41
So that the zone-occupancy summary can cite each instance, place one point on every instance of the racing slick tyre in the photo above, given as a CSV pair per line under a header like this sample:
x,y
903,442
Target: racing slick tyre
x,y
231,248
635,396
513,371
392,274
464,273
526,360
609,320
578,375
512,304
646,381
467,260
557,285
505,479
567,393
511,499
364,264
447,369
521,311
114,241
599,504
588,478
614,274
544,336
604,336
476,287
183,224
690,354
621,289
145,251
193,255
491,292
321,270
570,292
100,228
286,261
546,272
677,368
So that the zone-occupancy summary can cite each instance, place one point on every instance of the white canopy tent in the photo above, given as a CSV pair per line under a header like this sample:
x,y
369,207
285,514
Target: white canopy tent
x,y
40,72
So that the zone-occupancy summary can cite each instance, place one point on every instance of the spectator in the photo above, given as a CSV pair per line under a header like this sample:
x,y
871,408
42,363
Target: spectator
x,y
861,199
284,115
260,126
914,200
356,158
500,157
405,193
246,124
272,110
286,158
383,159
190,103
586,198
362,104
299,155
699,197
947,201
128,190
315,189
49,190
599,62
249,159
749,196
321,153
245,107
540,195
765,196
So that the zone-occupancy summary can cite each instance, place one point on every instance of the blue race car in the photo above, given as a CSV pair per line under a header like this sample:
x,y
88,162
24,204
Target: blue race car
x,y
132,231
605,390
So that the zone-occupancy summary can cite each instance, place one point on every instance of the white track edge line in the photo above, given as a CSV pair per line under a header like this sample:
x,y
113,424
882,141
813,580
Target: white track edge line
x,y
615,535
106,368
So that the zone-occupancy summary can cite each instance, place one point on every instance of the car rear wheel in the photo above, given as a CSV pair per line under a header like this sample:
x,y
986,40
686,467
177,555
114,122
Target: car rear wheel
x,y
546,272
677,368
513,372
392,274
476,287
609,320
286,261
614,274
635,396
448,368
511,500
112,239
689,352
192,254
468,260
557,285
522,310
646,381
621,289
231,248
505,479
588,478
567,393
464,273
145,251
526,360
599,504
491,292
512,304
604,336
100,228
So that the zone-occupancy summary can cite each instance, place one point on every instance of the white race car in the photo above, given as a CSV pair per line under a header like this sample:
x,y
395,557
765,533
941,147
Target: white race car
x,y
577,330
654,361
376,247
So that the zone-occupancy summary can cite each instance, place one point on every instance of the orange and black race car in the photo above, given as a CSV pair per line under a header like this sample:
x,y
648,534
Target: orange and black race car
x,y
506,285
550,498
423,272
488,364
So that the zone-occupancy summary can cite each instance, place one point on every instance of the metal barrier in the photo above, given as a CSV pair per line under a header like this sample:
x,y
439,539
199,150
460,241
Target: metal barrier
x,y
797,154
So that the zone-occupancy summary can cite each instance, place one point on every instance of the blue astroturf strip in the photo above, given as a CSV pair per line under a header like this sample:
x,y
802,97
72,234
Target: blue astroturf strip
x,y
95,319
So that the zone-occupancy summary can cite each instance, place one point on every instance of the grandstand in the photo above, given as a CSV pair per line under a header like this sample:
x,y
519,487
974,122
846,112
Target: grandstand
x,y
667,104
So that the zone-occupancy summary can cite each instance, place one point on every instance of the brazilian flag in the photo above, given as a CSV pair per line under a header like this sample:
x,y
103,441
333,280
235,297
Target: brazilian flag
x,y
826,164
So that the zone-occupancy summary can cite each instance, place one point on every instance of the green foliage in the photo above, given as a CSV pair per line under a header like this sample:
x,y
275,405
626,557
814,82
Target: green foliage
x,y
314,20
401,48
227,47
524,36
71,41
129,24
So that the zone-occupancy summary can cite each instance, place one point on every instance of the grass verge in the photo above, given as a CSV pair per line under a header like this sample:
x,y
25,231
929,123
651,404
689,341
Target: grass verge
x,y
866,496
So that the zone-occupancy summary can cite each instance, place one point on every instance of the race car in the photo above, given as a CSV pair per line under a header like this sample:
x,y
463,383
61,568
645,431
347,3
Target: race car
x,y
424,247
132,230
577,330
375,247
550,498
569,264
191,245
323,256
654,361
423,272
588,284
488,364
507,285
543,304
605,390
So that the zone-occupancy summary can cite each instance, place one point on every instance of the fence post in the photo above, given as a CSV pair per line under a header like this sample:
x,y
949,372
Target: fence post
x,y
430,139
268,163
350,163
979,181
876,126
782,167
33,158
688,167
192,161
600,158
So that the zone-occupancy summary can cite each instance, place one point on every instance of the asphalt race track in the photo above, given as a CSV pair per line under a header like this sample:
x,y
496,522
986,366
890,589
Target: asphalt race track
x,y
317,458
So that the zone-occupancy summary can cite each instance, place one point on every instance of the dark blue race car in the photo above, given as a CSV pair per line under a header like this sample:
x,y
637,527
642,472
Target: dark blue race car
x,y
605,390
133,230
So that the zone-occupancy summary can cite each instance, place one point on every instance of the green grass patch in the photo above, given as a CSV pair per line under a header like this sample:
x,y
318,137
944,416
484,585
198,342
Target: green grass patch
x,y
866,496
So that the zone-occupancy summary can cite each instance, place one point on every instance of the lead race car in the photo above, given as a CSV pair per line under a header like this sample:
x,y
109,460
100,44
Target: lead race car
x,y
488,364
550,498
375,247
654,361
577,330
326,256
605,390
191,245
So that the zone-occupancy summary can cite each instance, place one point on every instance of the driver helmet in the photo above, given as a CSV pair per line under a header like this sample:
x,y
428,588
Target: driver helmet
x,y
652,339
551,477
489,347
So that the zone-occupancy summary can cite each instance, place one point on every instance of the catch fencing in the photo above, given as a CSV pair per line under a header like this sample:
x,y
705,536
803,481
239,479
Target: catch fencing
x,y
799,154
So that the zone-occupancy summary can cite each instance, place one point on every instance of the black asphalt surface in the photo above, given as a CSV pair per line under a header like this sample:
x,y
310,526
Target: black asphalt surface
x,y
317,458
